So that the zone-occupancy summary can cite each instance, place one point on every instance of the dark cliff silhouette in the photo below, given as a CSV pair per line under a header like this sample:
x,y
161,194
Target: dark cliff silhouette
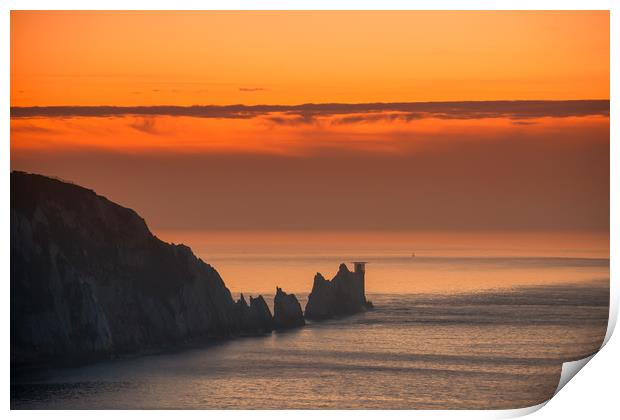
x,y
88,279
345,294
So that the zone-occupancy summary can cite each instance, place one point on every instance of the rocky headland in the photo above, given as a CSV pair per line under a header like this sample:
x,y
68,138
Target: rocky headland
x,y
90,280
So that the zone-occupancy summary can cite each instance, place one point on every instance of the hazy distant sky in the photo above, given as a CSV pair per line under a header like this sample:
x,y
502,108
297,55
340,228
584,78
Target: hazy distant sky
x,y
375,162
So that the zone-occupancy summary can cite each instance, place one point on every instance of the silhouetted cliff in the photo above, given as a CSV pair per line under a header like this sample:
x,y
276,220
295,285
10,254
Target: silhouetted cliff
x,y
89,279
343,295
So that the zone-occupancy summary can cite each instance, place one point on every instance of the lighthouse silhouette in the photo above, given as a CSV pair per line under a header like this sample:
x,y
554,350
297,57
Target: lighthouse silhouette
x,y
359,268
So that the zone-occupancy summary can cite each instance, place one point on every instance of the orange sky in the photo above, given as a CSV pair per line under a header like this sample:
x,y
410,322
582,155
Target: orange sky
x,y
272,134
454,174
185,58
481,166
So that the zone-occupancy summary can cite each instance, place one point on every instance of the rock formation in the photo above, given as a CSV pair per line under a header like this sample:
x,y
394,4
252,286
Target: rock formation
x,y
260,315
343,295
255,318
287,311
89,279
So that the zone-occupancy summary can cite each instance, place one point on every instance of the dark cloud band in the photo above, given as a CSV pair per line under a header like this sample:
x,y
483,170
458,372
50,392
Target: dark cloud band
x,y
307,112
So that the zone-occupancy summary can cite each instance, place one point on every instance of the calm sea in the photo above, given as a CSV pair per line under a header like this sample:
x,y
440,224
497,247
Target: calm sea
x,y
447,332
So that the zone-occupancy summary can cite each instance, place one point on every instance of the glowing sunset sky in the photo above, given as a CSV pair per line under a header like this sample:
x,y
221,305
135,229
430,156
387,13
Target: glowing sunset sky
x,y
392,142
186,58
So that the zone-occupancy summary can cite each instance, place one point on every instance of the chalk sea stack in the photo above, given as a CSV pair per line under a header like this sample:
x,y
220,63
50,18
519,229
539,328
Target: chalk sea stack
x,y
345,294
88,279
255,318
261,314
287,311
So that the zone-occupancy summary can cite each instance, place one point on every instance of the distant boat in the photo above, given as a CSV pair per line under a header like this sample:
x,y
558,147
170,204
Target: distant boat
x,y
413,255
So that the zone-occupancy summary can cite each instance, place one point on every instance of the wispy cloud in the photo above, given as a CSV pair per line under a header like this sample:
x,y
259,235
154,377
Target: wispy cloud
x,y
32,129
251,89
146,125
379,116
346,113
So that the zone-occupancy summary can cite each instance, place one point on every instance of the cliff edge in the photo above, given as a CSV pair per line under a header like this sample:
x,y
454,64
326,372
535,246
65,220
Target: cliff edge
x,y
88,279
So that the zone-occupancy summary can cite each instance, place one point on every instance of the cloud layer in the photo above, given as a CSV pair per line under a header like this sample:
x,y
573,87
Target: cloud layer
x,y
306,113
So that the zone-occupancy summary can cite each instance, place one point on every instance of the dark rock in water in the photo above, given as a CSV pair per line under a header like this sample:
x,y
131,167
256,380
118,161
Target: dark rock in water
x,y
255,318
89,279
322,300
343,295
260,314
287,311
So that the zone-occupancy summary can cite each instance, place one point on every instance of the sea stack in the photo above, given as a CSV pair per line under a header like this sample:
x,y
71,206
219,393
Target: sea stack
x,y
254,318
345,294
260,314
287,311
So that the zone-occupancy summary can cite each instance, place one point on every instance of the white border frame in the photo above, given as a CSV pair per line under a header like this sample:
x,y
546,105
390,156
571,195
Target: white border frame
x,y
593,395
